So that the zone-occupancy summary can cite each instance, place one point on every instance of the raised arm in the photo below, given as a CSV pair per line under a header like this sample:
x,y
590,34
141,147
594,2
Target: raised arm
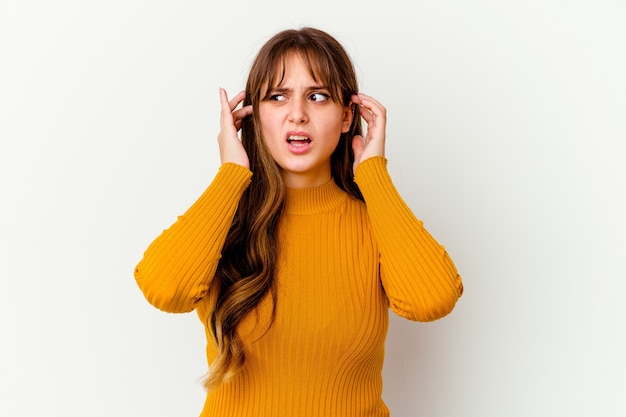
x,y
177,268
419,278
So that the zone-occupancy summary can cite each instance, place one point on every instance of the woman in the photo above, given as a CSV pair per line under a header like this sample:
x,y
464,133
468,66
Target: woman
x,y
299,246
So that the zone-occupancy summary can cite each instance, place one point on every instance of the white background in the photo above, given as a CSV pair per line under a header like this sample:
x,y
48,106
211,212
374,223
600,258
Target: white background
x,y
506,135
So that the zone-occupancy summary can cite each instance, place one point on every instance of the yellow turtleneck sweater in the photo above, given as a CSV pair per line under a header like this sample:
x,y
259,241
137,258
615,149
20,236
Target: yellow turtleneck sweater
x,y
342,265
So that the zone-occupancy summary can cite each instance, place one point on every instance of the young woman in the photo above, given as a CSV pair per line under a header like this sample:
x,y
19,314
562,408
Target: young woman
x,y
300,244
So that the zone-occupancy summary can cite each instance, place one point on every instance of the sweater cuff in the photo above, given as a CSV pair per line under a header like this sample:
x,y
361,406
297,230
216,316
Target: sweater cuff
x,y
372,169
231,169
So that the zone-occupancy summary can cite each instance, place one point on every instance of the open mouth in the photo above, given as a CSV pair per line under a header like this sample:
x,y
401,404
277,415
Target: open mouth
x,y
298,140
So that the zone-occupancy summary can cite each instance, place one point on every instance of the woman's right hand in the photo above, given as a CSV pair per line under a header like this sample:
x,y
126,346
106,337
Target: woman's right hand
x,y
231,149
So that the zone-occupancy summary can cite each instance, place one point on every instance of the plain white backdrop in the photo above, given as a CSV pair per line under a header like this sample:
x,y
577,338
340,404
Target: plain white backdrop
x,y
506,136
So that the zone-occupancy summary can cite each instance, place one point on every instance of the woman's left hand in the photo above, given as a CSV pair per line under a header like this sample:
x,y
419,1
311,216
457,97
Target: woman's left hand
x,y
375,115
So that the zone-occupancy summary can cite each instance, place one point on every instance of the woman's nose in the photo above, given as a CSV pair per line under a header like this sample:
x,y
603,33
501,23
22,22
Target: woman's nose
x,y
297,111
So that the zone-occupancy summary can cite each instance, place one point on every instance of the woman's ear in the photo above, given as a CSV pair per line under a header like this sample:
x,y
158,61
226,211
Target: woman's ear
x,y
348,115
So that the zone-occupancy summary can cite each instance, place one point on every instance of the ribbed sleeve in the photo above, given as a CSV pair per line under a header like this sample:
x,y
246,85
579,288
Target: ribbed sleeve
x,y
419,277
178,266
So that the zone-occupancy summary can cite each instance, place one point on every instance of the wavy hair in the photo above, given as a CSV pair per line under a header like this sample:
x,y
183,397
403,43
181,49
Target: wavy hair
x,y
246,272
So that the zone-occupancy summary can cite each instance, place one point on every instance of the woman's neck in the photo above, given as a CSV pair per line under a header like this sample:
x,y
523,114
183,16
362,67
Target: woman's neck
x,y
305,180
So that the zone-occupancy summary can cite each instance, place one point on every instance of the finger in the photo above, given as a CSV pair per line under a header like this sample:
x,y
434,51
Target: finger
x,y
225,113
358,145
366,114
372,105
224,99
240,114
229,114
234,102
375,115
363,107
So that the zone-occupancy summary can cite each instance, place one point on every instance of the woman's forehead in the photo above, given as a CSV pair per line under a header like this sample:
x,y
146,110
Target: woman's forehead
x,y
290,58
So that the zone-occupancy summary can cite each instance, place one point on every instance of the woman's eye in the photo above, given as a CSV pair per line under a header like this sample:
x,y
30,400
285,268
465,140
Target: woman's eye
x,y
319,97
277,97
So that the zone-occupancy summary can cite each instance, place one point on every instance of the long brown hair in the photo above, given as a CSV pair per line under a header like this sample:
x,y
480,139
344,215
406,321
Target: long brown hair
x,y
246,271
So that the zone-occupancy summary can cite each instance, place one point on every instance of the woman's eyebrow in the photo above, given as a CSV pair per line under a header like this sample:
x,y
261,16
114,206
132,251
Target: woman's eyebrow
x,y
280,89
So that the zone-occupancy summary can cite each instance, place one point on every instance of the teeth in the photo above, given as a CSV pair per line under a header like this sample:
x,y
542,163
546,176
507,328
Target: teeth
x,y
298,138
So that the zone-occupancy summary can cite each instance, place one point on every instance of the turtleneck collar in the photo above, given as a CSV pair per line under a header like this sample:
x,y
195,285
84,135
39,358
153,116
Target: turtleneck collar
x,y
315,199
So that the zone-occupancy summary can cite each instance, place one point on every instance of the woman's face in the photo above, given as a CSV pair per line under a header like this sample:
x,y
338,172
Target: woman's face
x,y
301,125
